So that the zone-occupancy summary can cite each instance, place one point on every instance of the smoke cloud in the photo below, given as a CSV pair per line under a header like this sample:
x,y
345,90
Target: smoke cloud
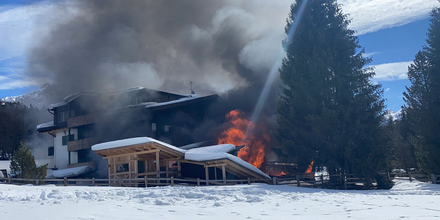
x,y
223,46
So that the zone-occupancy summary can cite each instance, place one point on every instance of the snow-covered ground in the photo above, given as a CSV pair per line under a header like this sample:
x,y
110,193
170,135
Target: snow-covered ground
x,y
257,201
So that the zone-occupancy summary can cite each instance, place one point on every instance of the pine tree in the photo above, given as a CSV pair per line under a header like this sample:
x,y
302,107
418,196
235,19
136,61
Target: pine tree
x,y
23,165
423,99
328,110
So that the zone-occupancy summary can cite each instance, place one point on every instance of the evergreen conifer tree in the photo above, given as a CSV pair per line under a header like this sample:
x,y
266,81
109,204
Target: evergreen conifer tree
x,y
328,110
23,165
423,99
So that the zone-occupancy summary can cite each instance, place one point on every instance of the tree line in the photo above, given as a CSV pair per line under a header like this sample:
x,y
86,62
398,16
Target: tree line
x,y
330,112
18,123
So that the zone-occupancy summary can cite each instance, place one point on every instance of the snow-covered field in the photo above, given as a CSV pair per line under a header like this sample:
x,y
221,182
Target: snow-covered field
x,y
257,201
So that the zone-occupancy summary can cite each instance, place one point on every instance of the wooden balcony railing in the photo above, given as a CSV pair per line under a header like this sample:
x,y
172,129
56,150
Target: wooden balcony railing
x,y
77,145
80,120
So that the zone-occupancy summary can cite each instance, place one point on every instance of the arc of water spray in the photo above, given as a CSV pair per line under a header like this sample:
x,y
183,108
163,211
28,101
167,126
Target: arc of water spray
x,y
274,70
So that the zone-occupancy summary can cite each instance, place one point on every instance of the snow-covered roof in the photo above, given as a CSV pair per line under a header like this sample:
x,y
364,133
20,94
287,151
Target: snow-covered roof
x,y
137,88
55,105
45,125
69,172
218,156
188,98
132,141
222,148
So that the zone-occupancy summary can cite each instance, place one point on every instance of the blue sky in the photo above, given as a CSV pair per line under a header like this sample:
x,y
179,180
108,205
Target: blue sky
x,y
391,31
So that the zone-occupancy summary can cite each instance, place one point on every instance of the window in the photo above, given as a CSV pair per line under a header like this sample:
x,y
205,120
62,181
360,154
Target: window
x,y
63,116
166,128
50,151
153,127
65,140
121,168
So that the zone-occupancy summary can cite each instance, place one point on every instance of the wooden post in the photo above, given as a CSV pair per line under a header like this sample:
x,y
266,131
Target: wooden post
x,y
198,181
207,175
274,180
65,181
410,178
345,181
172,181
145,181
10,180
37,182
249,181
298,183
433,179
215,173
322,181
179,169
93,181
166,168
157,164
224,174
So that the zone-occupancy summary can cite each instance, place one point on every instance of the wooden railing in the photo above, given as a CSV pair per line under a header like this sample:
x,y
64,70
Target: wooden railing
x,y
134,182
322,181
81,144
80,120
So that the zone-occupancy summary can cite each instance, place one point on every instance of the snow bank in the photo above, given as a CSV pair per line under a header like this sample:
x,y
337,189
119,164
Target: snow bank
x,y
70,172
257,201
132,141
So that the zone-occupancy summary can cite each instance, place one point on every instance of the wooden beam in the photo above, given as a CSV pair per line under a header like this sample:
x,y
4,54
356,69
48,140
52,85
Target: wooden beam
x,y
116,153
217,165
215,173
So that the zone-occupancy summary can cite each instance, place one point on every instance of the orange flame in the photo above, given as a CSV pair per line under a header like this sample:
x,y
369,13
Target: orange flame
x,y
282,173
310,168
253,152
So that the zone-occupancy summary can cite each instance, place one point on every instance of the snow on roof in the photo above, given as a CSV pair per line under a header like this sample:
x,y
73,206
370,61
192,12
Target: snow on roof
x,y
136,88
69,172
55,105
188,98
218,156
132,141
222,148
45,125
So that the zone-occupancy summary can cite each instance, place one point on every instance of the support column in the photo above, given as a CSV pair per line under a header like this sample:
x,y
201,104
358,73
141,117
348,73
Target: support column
x,y
207,174
215,173
224,174
158,165
179,169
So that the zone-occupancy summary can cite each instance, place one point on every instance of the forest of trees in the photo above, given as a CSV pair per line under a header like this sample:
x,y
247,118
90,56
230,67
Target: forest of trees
x,y
18,124
331,113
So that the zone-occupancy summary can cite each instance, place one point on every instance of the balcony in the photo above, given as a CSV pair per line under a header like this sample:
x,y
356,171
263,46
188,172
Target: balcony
x,y
77,145
80,120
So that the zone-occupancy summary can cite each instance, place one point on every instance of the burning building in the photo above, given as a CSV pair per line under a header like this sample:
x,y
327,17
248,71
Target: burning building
x,y
87,118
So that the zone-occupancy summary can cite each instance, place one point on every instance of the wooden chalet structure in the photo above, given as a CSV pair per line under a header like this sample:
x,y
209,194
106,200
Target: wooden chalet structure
x,y
147,157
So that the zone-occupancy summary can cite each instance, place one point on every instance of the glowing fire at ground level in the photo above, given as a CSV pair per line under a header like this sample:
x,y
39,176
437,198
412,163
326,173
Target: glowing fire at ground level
x,y
255,150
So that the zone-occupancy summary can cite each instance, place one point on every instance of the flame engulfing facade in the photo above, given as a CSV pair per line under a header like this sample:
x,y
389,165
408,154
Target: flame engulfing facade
x,y
238,134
